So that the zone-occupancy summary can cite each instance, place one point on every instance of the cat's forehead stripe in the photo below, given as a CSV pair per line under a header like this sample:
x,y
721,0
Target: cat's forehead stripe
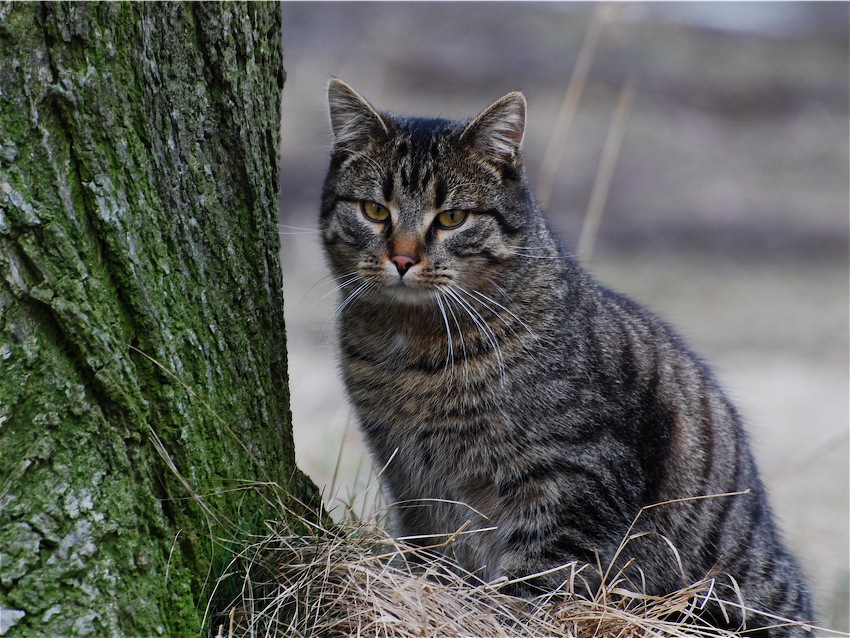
x,y
415,170
388,186
440,193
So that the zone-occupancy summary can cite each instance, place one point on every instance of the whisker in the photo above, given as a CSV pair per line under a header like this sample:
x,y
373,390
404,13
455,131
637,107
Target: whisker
x,y
341,284
360,291
297,230
450,353
482,326
486,299
500,290
369,160
460,335
320,280
546,248
537,252
351,297
483,303
555,258
482,299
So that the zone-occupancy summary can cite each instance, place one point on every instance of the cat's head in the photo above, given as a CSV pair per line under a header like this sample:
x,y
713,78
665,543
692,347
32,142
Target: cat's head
x,y
413,206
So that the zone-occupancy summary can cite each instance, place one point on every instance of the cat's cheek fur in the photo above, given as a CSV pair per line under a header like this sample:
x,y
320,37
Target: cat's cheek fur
x,y
343,227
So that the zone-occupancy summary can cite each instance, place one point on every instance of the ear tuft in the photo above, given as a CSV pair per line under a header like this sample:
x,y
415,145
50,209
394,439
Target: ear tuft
x,y
353,120
498,131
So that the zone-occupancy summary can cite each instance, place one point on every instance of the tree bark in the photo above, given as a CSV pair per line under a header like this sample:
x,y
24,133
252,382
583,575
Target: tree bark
x,y
144,406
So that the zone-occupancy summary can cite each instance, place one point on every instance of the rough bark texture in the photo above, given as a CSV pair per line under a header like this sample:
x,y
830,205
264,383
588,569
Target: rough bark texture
x,y
141,307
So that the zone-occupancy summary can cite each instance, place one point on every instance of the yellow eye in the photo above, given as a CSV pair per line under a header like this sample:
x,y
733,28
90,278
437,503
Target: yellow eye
x,y
449,219
374,211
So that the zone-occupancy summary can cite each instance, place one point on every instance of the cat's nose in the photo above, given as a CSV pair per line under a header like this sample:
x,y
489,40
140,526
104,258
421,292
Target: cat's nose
x,y
403,263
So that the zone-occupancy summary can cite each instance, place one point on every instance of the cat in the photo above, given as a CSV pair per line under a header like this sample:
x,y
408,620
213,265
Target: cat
x,y
499,387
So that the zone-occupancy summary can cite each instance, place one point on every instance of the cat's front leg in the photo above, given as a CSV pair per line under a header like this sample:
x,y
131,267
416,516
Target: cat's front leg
x,y
526,576
557,523
547,557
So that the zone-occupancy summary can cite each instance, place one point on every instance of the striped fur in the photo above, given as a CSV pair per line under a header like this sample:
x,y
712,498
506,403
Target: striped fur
x,y
498,384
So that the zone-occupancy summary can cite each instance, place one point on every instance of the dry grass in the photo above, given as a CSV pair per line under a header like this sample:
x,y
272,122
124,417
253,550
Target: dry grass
x,y
353,579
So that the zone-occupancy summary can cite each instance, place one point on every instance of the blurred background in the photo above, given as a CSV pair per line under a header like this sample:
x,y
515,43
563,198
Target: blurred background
x,y
726,211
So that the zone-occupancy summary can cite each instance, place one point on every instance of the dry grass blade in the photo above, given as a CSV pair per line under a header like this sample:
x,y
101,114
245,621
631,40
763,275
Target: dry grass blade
x,y
354,579
569,106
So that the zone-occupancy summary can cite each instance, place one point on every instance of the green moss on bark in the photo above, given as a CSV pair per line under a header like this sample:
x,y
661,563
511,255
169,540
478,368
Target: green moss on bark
x,y
140,301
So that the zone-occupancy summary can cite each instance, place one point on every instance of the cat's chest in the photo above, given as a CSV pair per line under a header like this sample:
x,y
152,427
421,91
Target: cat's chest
x,y
404,375
460,470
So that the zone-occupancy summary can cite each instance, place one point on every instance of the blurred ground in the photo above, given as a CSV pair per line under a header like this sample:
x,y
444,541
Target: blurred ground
x,y
727,214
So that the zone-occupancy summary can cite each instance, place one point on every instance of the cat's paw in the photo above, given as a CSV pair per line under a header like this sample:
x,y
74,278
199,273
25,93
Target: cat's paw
x,y
526,579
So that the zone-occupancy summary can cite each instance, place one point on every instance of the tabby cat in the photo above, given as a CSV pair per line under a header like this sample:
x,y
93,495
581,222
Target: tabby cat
x,y
499,386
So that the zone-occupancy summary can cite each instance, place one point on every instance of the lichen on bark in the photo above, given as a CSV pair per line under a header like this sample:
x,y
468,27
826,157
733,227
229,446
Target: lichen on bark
x,y
142,347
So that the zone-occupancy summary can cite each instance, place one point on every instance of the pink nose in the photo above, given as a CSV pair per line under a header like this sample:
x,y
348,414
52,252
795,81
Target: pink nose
x,y
403,263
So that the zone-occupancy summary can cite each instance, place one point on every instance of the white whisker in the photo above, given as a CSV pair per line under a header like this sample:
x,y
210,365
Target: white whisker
x,y
450,358
483,300
542,248
555,258
357,292
537,252
486,299
368,159
460,335
341,284
500,290
296,230
483,303
360,291
482,326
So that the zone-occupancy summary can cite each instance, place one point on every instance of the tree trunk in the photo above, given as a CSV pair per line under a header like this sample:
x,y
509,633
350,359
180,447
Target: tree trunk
x,y
144,404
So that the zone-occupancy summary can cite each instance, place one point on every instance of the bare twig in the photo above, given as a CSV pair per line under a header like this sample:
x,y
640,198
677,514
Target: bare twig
x,y
605,171
569,105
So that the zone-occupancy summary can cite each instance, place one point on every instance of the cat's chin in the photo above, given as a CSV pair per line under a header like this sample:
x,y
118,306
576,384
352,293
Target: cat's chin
x,y
409,295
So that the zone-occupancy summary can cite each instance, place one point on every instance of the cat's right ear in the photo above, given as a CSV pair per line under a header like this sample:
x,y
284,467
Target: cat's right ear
x,y
353,120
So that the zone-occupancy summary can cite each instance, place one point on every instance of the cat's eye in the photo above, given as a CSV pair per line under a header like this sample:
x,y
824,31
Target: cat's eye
x,y
449,219
374,211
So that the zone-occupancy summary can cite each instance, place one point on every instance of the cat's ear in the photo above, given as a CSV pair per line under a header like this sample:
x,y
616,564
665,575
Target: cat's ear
x,y
353,120
498,131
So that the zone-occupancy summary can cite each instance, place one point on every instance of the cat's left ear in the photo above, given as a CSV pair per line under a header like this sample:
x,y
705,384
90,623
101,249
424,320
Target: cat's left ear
x,y
498,131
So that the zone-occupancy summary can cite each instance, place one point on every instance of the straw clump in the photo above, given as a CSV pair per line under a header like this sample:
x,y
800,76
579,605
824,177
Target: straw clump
x,y
353,579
